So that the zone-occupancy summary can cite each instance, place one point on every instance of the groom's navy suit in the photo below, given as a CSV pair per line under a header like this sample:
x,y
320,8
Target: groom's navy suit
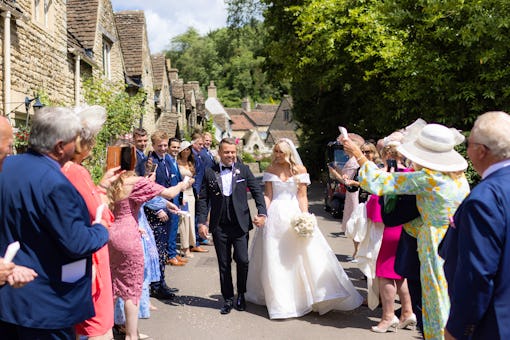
x,y
230,220
476,250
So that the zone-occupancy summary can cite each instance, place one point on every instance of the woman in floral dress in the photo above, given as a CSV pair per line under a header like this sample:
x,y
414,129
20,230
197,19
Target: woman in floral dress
x,y
440,186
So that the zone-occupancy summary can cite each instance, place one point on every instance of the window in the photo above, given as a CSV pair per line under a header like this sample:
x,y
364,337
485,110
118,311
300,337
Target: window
x,y
106,59
37,5
287,115
42,12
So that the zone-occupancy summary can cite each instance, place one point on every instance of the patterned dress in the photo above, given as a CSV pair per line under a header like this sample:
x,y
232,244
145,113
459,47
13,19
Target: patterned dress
x,y
437,197
125,244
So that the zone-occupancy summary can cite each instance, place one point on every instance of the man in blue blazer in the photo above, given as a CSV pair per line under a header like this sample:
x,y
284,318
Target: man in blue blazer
x,y
476,247
42,210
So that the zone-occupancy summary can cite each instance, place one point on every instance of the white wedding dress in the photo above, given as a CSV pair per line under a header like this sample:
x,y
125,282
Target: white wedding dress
x,y
295,275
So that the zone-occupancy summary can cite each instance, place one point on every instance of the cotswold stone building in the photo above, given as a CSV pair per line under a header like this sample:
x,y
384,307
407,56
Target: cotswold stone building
x,y
49,46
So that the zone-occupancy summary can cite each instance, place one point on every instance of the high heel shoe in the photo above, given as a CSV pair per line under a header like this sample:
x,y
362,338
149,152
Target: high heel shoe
x,y
392,327
409,323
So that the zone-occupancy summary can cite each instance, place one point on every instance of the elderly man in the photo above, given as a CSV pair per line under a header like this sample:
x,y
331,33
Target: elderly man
x,y
42,210
476,248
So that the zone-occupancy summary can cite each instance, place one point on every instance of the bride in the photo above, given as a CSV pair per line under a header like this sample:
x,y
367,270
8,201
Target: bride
x,y
290,274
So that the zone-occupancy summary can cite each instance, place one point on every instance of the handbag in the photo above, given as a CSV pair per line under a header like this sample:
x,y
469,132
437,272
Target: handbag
x,y
398,209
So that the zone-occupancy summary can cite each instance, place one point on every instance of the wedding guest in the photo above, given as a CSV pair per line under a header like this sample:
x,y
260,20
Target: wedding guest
x,y
440,185
476,248
92,119
200,168
43,211
140,140
186,164
128,193
207,153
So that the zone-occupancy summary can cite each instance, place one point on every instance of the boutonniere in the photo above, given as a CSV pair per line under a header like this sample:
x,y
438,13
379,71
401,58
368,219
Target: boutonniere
x,y
237,172
452,222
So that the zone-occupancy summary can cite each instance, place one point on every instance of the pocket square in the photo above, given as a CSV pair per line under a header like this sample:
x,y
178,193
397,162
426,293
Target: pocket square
x,y
240,180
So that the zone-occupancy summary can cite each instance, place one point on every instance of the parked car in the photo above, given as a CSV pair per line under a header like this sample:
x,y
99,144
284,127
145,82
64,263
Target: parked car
x,y
335,191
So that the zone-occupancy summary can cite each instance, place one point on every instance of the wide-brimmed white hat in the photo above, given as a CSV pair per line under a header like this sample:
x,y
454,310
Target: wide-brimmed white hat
x,y
184,145
432,147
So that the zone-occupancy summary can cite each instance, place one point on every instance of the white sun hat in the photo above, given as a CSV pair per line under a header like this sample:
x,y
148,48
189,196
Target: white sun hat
x,y
184,145
432,146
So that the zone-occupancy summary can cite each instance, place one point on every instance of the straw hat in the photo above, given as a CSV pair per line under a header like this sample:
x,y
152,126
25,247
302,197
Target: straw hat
x,y
184,145
432,147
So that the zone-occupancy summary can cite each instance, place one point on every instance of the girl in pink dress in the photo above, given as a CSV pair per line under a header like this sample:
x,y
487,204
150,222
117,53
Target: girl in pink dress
x,y
129,192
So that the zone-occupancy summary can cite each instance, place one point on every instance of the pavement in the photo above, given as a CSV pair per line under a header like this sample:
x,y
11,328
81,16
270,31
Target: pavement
x,y
194,313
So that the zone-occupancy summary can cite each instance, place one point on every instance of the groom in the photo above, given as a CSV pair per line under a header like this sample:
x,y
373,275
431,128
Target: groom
x,y
224,188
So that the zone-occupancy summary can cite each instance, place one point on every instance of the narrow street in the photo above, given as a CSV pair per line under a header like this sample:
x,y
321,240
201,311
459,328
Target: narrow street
x,y
194,314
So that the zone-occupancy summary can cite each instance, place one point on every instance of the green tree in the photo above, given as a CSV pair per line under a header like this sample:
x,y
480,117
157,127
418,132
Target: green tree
x,y
122,113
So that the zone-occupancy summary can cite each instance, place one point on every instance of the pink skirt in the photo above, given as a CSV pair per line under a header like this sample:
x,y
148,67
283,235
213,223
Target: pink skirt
x,y
385,264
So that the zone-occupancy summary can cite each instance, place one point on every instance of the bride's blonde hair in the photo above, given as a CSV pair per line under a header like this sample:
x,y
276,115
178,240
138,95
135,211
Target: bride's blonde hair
x,y
289,155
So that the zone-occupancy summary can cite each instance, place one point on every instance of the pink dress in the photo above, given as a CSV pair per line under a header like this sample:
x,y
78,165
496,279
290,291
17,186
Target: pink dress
x,y
101,282
385,265
125,244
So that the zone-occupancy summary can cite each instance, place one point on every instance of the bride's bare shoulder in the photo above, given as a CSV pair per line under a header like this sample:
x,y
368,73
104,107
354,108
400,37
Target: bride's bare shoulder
x,y
301,169
271,170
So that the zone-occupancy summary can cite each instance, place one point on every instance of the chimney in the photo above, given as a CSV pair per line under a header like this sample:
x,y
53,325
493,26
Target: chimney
x,y
211,90
173,74
246,104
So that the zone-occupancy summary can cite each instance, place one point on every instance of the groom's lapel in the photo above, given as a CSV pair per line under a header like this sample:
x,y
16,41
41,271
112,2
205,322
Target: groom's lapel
x,y
233,177
218,178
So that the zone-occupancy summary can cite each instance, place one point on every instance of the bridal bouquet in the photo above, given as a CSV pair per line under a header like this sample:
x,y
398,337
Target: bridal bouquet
x,y
303,224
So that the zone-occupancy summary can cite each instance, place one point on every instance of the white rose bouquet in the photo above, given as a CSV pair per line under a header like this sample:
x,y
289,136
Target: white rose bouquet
x,y
303,224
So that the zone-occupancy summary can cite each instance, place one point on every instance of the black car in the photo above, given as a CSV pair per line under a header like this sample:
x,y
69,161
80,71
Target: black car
x,y
335,191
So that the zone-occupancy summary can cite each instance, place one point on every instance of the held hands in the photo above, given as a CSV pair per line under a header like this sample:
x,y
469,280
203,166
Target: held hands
x,y
259,220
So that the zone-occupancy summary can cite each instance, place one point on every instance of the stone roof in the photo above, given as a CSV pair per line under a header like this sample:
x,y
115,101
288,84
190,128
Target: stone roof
x,y
82,21
277,134
260,118
131,28
158,70
240,123
267,107
234,110
178,89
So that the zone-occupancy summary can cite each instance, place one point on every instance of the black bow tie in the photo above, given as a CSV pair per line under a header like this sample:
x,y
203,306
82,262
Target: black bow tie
x,y
224,167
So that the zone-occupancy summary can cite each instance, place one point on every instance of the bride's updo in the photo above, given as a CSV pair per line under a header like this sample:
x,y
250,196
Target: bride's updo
x,y
289,155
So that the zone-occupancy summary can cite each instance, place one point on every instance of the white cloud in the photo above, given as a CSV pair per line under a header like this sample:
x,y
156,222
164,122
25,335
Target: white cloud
x,y
169,18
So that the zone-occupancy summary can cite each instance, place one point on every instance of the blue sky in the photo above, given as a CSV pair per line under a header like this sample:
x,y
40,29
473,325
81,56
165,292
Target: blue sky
x,y
169,18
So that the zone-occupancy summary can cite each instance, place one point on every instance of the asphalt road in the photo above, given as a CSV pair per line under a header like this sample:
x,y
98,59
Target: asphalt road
x,y
194,314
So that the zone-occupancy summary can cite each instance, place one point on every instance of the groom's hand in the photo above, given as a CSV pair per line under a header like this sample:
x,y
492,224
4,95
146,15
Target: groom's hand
x,y
259,220
203,230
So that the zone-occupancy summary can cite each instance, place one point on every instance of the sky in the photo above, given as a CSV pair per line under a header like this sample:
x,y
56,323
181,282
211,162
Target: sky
x,y
169,18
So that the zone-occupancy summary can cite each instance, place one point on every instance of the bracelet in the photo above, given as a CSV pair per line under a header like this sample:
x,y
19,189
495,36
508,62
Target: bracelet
x,y
359,158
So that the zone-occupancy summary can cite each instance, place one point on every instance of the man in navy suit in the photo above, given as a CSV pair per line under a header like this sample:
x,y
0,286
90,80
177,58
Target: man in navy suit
x,y
476,247
42,210
140,139
160,220
224,187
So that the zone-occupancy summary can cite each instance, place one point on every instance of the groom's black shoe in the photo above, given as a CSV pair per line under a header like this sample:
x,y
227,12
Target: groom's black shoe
x,y
227,307
240,303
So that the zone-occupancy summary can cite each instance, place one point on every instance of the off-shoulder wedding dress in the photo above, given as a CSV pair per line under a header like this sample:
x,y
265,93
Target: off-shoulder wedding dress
x,y
295,275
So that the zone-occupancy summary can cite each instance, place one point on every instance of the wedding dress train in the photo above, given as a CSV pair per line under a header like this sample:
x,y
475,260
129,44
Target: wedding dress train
x,y
295,275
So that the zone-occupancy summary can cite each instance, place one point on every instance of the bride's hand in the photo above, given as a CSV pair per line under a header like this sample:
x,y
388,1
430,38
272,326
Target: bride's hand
x,y
259,220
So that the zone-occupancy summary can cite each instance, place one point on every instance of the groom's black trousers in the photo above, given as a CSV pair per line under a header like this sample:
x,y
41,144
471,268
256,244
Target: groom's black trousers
x,y
225,238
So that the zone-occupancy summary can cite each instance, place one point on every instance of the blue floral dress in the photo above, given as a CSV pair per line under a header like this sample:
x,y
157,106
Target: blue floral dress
x,y
437,197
